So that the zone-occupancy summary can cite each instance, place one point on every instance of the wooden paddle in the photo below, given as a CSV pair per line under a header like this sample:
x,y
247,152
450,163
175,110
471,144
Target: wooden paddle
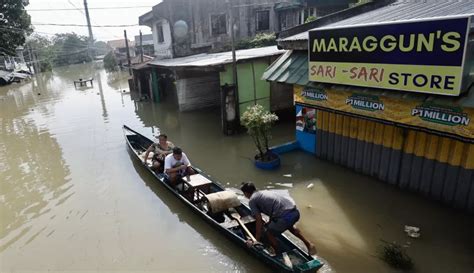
x,y
236,217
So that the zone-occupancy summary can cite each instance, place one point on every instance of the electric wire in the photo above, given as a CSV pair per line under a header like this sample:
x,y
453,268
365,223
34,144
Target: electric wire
x,y
96,8
81,25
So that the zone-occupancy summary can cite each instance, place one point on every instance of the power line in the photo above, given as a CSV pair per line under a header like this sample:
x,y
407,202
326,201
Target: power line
x,y
105,34
79,25
75,8
99,8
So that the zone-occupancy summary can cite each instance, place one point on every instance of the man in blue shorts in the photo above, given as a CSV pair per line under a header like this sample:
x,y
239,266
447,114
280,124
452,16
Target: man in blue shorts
x,y
282,212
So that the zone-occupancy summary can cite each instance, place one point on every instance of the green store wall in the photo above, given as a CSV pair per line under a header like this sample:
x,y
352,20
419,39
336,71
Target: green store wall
x,y
252,89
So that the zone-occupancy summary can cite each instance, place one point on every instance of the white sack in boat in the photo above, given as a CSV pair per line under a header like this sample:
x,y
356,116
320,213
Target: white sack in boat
x,y
222,200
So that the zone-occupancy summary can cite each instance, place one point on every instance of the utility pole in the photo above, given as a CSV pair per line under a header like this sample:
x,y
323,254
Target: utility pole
x,y
128,53
141,47
234,67
91,37
234,64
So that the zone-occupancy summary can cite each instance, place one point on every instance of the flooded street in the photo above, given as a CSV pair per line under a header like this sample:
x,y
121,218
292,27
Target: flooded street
x,y
72,199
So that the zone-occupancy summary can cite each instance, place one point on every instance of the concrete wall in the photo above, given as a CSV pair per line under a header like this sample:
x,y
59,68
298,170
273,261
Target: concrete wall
x,y
197,16
162,50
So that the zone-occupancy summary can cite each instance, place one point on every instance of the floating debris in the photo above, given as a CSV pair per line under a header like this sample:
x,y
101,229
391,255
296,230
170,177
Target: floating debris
x,y
288,175
309,206
288,185
310,186
413,232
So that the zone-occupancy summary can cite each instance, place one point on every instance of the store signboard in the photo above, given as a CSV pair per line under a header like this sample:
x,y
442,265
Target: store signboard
x,y
446,118
426,56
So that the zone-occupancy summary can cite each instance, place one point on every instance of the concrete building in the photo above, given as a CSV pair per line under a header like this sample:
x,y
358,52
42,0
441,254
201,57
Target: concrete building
x,y
119,48
147,44
187,27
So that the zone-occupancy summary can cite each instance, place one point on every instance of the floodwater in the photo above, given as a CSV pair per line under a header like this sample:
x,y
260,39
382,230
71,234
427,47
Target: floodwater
x,y
72,199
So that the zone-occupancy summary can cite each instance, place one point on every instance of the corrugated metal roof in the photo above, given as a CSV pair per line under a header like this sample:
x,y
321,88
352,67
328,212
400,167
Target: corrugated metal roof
x,y
402,10
291,68
214,59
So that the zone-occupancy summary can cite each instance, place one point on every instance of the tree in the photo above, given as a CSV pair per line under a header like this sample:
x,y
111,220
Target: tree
x,y
110,63
71,48
43,48
15,25
101,48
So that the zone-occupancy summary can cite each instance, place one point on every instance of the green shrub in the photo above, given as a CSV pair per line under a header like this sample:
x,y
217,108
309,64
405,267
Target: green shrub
x,y
260,40
259,122
310,19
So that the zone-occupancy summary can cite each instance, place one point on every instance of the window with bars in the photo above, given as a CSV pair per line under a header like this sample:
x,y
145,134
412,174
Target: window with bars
x,y
263,20
159,31
218,24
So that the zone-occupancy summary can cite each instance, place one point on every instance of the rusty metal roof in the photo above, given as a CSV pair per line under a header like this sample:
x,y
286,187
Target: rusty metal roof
x,y
401,10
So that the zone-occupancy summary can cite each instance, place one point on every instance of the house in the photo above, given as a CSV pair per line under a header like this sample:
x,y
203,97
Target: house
x,y
147,45
406,131
119,48
187,27
193,57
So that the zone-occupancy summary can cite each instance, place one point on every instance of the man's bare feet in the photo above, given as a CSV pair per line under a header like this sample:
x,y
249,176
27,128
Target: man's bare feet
x,y
312,249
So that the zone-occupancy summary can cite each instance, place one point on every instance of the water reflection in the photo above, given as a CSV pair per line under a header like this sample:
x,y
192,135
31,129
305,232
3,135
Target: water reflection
x,y
101,92
115,80
33,172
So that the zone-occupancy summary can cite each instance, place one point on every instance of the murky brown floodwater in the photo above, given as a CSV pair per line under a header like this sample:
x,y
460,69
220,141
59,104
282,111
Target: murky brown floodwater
x,y
73,200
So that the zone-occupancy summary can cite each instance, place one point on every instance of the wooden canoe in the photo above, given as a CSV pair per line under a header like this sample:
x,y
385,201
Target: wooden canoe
x,y
235,223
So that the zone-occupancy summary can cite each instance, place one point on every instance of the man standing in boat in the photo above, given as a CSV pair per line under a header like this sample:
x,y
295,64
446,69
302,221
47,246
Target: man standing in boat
x,y
282,212
177,165
160,151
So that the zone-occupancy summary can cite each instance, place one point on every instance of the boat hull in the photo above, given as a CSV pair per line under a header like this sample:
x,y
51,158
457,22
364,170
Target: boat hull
x,y
309,264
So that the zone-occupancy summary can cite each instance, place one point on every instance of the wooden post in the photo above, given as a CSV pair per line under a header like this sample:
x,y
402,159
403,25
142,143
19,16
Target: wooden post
x,y
141,47
128,53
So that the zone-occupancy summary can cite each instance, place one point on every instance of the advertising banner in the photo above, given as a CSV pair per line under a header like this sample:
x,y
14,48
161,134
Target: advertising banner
x,y
424,56
444,118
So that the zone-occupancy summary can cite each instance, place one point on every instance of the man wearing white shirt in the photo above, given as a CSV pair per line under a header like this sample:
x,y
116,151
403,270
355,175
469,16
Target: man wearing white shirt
x,y
177,165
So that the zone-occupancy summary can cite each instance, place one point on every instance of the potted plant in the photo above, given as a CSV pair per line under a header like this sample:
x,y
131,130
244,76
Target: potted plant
x,y
259,122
